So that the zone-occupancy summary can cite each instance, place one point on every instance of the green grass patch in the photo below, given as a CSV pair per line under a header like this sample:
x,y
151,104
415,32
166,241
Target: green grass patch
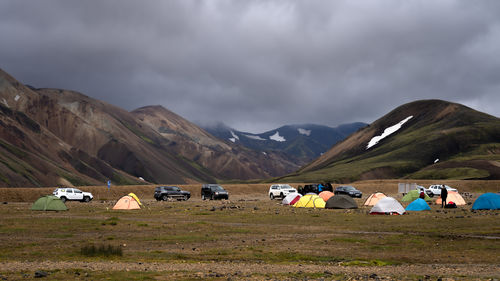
x,y
451,173
101,250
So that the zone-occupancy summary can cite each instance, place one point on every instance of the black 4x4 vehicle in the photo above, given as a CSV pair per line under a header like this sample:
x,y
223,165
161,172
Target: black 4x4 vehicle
x,y
213,191
315,188
173,192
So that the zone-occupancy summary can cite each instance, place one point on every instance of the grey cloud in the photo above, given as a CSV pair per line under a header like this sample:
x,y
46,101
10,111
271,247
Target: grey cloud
x,y
257,65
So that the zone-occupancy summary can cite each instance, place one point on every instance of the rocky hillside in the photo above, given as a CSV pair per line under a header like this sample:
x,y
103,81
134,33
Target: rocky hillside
x,y
430,139
52,136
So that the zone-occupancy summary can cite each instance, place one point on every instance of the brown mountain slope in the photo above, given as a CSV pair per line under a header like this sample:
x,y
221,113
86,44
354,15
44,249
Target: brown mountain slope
x,y
95,139
225,160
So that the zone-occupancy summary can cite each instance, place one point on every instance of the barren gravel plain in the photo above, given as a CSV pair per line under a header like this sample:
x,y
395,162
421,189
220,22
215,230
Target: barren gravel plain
x,y
248,237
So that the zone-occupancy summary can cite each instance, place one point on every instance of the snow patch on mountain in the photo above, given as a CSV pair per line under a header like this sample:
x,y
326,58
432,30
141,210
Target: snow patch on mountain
x,y
388,131
234,138
255,137
277,137
304,132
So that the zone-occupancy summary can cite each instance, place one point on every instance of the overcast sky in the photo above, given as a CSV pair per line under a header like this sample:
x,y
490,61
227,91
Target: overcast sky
x,y
257,65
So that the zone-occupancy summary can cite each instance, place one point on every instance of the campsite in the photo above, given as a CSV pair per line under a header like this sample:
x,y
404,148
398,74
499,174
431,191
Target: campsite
x,y
249,237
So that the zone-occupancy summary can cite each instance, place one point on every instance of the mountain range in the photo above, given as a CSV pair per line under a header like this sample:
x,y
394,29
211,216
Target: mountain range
x,y
427,139
60,137
301,143
54,137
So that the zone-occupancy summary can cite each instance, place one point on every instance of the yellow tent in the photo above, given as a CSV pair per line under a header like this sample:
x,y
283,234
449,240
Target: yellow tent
x,y
135,197
373,199
310,201
454,197
126,203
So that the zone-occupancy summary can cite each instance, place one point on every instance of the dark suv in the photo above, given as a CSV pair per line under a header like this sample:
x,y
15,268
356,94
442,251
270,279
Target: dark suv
x,y
348,190
171,192
213,191
315,188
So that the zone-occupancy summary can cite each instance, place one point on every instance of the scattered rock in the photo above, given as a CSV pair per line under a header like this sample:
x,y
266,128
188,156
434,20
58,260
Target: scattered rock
x,y
40,274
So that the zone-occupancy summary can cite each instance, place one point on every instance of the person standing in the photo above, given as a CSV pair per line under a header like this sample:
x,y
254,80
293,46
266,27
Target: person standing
x,y
444,195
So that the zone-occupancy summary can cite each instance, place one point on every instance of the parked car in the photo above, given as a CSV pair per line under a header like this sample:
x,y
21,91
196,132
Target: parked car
x,y
213,192
72,194
425,190
171,192
315,188
348,190
436,189
280,190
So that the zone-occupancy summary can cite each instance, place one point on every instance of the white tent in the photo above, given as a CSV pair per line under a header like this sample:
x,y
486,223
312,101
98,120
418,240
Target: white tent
x,y
387,206
291,198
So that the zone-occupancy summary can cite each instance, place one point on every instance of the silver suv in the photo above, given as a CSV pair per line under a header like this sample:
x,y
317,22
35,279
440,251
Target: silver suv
x,y
280,190
72,194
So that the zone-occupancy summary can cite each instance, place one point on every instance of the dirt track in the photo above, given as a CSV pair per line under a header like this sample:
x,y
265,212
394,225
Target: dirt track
x,y
246,270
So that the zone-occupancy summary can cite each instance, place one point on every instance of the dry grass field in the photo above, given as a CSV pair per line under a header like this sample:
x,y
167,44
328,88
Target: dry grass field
x,y
248,237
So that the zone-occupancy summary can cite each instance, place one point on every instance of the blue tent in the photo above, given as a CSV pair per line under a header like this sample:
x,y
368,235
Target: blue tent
x,y
487,201
418,205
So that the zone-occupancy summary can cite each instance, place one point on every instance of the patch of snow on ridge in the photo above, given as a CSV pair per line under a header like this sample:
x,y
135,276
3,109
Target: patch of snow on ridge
x,y
277,137
304,132
17,97
234,138
387,132
254,137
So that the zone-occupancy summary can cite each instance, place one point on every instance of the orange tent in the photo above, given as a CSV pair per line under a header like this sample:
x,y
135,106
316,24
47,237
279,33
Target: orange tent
x,y
126,203
326,195
454,197
373,199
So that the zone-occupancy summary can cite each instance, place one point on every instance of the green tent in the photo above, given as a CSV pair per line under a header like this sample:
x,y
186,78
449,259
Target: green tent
x,y
49,203
413,195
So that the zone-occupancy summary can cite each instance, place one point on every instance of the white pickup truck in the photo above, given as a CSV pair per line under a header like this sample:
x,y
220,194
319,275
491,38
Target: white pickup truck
x,y
436,189
72,194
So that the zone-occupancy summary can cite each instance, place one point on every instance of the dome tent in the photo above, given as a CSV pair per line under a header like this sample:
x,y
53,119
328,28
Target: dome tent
x,y
418,204
412,195
374,198
291,198
487,201
49,203
454,197
387,206
341,202
127,202
325,195
310,201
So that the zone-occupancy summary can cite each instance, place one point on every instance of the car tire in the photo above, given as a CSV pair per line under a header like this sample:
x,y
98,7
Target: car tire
x,y
431,195
186,198
164,198
212,197
281,195
63,199
203,197
86,199
271,196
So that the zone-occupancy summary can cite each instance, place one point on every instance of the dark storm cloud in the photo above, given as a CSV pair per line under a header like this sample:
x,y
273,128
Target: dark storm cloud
x,y
257,65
